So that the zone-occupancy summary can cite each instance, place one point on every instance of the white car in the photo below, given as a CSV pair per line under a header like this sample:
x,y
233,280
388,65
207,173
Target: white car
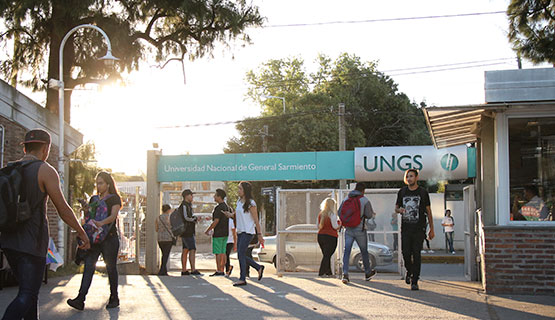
x,y
303,249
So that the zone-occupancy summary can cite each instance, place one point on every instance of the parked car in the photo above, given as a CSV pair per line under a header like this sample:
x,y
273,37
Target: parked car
x,y
303,249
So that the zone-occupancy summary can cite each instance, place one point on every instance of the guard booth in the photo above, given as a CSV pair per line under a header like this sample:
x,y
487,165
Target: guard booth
x,y
297,210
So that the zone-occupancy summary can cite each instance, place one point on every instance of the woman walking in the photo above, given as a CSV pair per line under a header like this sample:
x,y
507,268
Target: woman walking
x,y
328,224
165,237
107,196
246,217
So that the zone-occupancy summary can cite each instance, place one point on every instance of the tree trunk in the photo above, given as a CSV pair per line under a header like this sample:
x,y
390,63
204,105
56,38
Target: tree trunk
x,y
60,26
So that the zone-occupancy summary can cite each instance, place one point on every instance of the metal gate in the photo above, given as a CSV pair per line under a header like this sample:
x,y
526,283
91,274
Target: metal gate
x,y
296,230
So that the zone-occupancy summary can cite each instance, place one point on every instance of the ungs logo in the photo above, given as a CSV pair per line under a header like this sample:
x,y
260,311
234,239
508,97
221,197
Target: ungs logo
x,y
449,162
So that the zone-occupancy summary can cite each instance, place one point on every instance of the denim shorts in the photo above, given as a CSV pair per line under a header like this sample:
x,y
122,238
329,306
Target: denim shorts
x,y
189,243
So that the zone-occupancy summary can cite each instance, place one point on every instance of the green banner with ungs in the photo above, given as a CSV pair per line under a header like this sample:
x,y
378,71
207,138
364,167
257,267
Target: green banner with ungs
x,y
327,165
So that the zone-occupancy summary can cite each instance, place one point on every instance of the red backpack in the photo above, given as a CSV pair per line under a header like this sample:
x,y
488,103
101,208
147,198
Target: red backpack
x,y
350,212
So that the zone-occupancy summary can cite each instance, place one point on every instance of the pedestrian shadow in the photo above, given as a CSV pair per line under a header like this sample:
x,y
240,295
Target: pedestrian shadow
x,y
51,298
451,299
195,294
282,289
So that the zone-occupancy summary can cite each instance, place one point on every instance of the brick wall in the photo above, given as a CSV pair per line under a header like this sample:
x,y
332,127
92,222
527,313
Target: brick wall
x,y
520,260
13,135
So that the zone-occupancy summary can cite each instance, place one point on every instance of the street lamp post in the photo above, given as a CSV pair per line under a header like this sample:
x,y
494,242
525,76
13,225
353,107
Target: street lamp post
x,y
60,84
274,97
108,58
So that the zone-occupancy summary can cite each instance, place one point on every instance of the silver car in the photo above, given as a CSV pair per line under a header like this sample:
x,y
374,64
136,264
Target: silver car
x,y
303,249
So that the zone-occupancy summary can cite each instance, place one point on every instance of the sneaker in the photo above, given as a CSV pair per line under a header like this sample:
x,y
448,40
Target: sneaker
x,y
345,279
228,273
113,302
76,303
414,286
370,275
196,273
185,273
423,251
240,283
407,278
453,252
430,251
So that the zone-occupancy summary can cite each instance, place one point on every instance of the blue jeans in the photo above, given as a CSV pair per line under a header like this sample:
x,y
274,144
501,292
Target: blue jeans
x,y
29,271
243,240
109,249
449,238
361,237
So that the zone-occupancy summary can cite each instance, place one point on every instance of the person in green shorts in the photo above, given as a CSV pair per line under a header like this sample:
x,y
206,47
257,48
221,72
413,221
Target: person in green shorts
x,y
219,230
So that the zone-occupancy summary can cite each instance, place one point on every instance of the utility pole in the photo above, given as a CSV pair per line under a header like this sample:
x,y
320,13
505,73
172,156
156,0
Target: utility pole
x,y
342,142
264,134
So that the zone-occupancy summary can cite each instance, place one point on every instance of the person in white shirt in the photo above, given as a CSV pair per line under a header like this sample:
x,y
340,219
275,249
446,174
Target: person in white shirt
x,y
246,217
231,246
448,224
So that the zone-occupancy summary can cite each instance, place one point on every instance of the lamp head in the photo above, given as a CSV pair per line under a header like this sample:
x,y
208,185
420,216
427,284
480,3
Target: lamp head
x,y
109,59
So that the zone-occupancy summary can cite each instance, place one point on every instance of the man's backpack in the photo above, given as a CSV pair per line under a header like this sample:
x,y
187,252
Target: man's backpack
x,y
350,212
14,208
177,221
98,210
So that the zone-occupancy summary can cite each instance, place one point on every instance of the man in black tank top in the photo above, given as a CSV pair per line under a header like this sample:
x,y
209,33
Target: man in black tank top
x,y
26,247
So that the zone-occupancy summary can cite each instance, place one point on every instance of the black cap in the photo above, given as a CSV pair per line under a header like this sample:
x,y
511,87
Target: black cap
x,y
186,192
37,135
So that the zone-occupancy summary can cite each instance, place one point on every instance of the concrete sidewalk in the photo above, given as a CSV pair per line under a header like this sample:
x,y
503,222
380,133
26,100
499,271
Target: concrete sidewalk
x,y
296,296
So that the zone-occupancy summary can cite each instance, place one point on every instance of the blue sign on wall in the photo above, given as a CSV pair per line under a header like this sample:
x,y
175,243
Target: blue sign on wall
x,y
329,165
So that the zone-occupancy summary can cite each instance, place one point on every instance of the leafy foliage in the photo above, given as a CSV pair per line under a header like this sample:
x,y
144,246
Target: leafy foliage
x,y
377,113
532,29
82,172
163,29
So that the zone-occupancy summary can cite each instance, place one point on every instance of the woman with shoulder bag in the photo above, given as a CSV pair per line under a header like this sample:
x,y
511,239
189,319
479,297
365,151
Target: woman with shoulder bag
x,y
109,247
166,239
246,217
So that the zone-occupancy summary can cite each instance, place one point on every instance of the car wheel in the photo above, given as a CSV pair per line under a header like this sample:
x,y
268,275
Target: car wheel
x,y
360,264
289,263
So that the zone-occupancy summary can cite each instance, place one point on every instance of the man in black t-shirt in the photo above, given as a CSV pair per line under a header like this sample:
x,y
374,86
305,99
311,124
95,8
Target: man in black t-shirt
x,y
220,225
413,203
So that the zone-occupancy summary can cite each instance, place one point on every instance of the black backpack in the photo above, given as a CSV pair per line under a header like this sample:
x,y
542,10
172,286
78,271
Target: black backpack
x,y
177,221
14,208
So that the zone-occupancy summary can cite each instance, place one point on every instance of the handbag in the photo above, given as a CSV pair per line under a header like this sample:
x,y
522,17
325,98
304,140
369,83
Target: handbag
x,y
98,211
174,238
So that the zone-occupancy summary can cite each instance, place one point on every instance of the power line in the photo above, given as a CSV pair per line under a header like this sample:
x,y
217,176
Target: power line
x,y
395,72
319,111
383,20
447,69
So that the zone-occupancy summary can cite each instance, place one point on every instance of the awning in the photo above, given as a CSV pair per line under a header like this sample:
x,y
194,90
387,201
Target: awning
x,y
451,126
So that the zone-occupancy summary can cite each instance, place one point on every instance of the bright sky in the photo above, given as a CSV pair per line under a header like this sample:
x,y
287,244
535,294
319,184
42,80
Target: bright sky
x,y
124,123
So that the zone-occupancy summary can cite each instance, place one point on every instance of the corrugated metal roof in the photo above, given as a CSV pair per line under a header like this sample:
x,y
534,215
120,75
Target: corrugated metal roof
x,y
451,126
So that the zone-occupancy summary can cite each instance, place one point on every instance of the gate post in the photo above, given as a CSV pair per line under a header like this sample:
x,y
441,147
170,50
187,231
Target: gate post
x,y
152,211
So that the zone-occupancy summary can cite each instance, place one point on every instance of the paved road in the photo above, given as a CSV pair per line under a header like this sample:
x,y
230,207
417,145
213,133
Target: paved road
x,y
296,296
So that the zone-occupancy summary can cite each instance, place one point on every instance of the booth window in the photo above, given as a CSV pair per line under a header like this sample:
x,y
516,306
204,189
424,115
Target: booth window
x,y
532,168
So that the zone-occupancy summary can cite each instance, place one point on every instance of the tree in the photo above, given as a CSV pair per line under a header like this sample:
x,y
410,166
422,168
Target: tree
x,y
532,29
82,172
378,114
165,29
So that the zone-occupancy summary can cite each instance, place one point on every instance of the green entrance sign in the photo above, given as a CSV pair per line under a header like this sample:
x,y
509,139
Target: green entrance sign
x,y
328,165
